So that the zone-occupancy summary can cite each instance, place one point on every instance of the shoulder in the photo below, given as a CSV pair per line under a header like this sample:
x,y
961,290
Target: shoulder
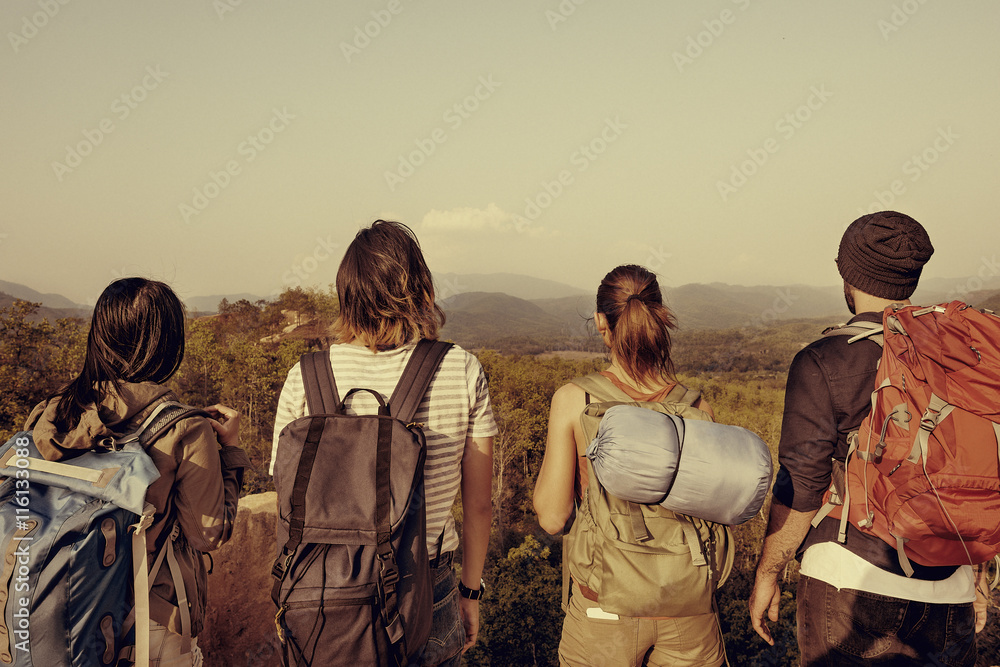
x,y
458,359
833,349
569,397
190,431
461,355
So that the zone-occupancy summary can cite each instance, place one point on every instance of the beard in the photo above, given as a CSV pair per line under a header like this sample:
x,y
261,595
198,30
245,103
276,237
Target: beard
x,y
849,298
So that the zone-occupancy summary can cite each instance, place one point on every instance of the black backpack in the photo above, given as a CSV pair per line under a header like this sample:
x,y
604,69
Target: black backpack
x,y
353,579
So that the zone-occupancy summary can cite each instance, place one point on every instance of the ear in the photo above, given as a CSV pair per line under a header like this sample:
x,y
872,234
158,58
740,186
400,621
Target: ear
x,y
601,321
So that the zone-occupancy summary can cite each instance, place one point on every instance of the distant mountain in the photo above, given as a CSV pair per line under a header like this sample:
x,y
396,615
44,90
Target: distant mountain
x,y
44,312
483,315
718,306
448,285
25,293
721,306
937,290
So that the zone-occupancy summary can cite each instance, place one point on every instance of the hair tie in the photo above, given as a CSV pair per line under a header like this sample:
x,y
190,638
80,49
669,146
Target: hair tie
x,y
633,296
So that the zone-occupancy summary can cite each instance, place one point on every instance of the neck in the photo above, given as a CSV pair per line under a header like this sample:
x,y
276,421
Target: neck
x,y
866,303
620,373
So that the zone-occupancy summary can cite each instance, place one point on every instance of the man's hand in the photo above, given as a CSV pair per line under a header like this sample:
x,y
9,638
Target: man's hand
x,y
786,528
765,598
469,610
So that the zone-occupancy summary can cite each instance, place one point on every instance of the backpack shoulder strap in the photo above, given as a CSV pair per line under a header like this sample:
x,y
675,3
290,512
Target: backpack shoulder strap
x,y
683,395
860,330
416,378
160,420
320,385
601,388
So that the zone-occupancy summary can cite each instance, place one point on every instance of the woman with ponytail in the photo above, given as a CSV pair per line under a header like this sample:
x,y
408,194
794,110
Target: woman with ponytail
x,y
635,326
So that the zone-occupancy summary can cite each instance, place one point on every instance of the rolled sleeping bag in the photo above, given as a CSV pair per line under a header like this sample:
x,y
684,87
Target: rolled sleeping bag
x,y
711,471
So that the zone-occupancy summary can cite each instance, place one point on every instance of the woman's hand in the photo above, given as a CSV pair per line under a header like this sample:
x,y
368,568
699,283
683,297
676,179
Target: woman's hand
x,y
226,423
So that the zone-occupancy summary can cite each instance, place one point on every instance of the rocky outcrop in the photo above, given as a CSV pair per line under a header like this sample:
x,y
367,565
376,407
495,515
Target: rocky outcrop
x,y
239,628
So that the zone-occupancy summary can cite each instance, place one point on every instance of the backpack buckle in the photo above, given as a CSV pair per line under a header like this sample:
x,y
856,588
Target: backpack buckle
x,y
929,421
388,570
282,564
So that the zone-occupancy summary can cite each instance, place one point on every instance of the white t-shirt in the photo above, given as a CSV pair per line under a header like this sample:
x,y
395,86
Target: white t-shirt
x,y
456,407
834,564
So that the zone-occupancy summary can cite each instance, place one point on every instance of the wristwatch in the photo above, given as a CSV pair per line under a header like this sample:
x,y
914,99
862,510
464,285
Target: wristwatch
x,y
472,593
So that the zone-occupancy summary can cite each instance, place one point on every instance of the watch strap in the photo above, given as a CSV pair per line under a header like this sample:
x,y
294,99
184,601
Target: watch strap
x,y
472,593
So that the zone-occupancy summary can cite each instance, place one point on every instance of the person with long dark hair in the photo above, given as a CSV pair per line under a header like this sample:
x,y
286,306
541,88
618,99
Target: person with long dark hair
x,y
135,344
635,325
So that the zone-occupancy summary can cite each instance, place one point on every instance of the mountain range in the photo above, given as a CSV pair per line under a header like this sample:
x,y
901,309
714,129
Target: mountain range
x,y
484,309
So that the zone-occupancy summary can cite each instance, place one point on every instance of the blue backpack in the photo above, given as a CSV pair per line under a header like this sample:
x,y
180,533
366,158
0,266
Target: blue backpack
x,y
69,565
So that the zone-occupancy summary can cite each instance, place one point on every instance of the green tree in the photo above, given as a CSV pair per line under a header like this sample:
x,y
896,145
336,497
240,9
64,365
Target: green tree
x,y
521,620
36,358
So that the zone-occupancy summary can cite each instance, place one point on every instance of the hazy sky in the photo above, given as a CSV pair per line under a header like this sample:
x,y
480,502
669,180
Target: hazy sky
x,y
237,145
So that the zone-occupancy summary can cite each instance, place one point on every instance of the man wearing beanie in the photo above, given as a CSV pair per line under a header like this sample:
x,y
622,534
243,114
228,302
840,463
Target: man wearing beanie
x,y
854,604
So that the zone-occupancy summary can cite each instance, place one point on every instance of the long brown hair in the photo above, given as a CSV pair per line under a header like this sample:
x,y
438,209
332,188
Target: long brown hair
x,y
385,289
136,335
630,298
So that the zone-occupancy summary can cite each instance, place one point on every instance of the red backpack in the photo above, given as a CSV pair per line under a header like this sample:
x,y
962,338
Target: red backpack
x,y
922,472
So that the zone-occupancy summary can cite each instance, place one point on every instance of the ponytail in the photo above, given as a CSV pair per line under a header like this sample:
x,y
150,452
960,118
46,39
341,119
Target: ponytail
x,y
630,298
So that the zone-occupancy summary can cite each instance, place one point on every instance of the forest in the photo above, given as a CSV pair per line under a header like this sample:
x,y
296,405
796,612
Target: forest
x,y
240,357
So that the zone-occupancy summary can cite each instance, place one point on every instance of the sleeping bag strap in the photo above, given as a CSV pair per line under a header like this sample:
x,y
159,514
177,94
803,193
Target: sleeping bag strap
x,y
640,532
693,540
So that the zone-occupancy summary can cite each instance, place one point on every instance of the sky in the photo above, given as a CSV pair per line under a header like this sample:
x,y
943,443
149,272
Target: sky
x,y
234,146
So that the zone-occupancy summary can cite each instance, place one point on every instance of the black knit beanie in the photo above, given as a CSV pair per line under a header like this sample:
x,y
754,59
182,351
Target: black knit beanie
x,y
883,253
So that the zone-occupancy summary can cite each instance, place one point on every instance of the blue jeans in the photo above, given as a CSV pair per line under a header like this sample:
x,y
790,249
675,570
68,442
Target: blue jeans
x,y
444,647
848,627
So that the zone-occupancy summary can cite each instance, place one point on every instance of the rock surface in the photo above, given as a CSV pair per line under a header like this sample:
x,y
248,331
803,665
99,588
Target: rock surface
x,y
239,628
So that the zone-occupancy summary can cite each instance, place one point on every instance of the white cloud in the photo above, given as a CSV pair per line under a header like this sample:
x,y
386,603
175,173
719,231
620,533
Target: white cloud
x,y
468,219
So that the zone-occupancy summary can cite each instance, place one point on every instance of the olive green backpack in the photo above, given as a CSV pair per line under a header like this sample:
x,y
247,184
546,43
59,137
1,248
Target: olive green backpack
x,y
642,560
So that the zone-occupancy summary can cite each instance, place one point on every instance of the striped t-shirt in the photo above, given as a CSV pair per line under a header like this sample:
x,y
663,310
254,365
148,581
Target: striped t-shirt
x,y
456,407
